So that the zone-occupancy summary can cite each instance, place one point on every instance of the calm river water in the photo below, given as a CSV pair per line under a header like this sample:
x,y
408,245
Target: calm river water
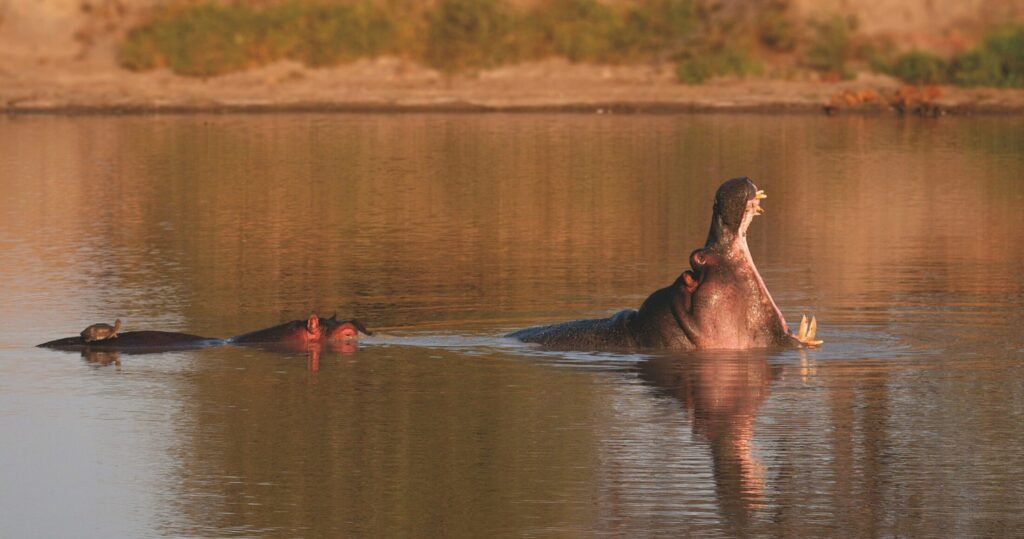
x,y
442,232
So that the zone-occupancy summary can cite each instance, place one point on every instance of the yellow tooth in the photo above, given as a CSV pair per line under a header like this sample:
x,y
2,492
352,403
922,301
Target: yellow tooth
x,y
802,332
758,210
813,329
760,194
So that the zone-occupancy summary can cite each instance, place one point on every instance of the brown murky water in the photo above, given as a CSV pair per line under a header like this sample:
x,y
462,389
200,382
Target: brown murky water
x,y
442,232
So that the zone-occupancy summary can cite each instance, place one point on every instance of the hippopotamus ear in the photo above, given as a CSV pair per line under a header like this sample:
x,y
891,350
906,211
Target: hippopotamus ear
x,y
688,281
685,286
359,325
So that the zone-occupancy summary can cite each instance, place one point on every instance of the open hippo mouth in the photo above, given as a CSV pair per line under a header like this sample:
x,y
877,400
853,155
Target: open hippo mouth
x,y
721,302
725,303
737,202
754,209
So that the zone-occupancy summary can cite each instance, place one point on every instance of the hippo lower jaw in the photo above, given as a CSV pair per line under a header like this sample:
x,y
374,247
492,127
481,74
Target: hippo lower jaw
x,y
740,250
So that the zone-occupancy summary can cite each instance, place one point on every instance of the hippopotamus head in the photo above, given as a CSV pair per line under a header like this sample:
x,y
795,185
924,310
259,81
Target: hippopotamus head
x,y
314,331
296,331
721,302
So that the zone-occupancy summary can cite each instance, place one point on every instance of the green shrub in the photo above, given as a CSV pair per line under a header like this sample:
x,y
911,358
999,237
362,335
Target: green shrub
x,y
589,30
776,31
330,34
469,34
700,67
576,29
832,47
918,67
212,39
658,27
999,61
978,68
880,54
694,70
204,40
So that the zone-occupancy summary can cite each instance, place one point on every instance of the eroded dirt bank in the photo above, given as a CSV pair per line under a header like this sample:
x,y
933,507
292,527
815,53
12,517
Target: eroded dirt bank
x,y
395,85
59,56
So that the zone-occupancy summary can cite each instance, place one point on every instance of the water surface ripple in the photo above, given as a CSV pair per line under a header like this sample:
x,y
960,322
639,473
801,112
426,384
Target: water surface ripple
x,y
443,232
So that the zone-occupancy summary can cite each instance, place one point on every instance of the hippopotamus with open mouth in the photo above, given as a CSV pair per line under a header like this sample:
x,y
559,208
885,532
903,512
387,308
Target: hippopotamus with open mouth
x,y
721,303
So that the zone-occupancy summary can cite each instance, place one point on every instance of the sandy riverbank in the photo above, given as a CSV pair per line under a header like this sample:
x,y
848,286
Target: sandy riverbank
x,y
59,56
390,84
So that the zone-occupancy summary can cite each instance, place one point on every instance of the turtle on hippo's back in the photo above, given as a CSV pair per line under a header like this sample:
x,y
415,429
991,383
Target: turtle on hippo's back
x,y
101,332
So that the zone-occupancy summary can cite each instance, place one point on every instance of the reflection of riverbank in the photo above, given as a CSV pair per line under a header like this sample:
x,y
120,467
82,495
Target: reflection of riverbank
x,y
395,85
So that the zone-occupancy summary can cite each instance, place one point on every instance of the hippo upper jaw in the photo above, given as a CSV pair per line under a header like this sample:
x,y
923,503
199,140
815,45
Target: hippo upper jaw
x,y
734,210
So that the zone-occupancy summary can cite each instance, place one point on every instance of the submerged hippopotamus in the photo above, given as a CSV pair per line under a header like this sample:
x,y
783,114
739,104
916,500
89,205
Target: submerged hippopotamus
x,y
340,335
312,336
313,329
721,303
134,342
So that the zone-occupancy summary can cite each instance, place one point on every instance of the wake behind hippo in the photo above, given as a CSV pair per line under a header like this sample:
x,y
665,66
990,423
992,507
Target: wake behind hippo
x,y
721,303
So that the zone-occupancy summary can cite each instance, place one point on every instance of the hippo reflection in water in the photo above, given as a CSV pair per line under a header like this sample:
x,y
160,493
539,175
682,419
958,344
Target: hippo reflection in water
x,y
721,303
722,393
